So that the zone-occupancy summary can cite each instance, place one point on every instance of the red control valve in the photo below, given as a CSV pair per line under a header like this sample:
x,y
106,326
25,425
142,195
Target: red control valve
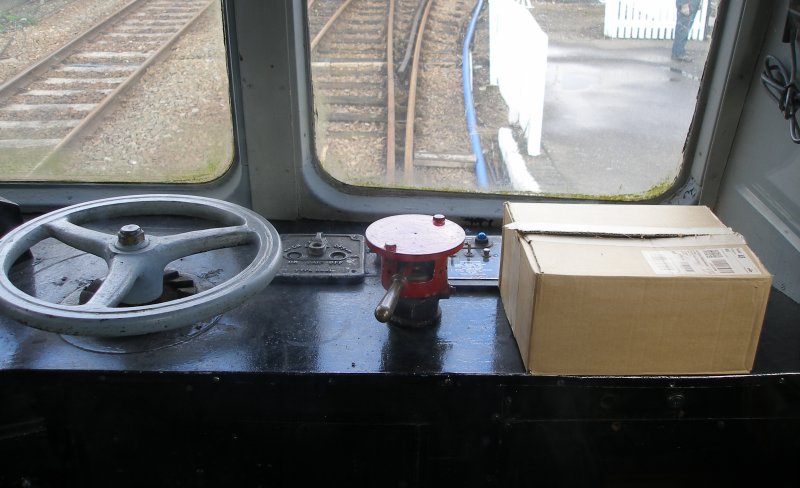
x,y
414,251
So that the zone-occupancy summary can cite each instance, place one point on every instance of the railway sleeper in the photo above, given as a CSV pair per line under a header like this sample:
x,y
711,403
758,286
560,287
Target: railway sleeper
x,y
331,96
62,96
368,14
356,100
362,25
345,70
21,132
359,77
374,51
346,85
358,62
350,134
369,42
51,111
356,117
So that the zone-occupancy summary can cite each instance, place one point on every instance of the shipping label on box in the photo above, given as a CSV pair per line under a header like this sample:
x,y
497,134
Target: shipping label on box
x,y
630,290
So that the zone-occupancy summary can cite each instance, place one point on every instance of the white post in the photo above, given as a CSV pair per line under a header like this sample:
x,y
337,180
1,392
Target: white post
x,y
518,65
494,39
537,76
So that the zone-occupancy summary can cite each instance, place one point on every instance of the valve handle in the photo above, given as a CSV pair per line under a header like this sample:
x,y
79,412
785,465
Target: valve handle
x,y
385,309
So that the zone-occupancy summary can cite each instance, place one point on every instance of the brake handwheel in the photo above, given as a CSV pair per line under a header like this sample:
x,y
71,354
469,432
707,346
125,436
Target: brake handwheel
x,y
125,303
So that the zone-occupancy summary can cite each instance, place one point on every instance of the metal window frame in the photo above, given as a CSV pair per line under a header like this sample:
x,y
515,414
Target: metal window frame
x,y
276,172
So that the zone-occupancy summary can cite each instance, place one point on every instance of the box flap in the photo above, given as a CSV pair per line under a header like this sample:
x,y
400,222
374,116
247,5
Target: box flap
x,y
713,256
596,230
648,216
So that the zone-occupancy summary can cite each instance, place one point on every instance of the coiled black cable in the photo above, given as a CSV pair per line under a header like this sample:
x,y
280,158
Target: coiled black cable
x,y
782,87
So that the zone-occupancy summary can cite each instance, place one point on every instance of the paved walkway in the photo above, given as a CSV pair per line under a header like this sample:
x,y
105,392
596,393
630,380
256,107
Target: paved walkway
x,y
616,115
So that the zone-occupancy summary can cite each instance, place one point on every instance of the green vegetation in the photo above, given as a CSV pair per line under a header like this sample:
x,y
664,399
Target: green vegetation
x,y
218,161
11,22
651,193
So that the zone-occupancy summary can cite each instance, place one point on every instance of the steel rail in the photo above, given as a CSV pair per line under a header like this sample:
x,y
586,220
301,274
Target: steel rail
x,y
10,87
408,166
88,122
328,24
391,122
401,71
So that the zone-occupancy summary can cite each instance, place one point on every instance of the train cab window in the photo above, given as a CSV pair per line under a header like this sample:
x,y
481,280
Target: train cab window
x,y
113,92
561,99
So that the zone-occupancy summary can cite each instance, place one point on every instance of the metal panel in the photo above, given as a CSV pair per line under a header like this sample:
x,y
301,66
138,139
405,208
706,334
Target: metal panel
x,y
758,195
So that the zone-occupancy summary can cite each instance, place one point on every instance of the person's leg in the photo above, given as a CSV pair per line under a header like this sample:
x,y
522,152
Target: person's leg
x,y
682,26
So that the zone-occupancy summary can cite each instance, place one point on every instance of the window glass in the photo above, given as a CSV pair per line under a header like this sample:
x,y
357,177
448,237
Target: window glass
x,y
583,99
141,97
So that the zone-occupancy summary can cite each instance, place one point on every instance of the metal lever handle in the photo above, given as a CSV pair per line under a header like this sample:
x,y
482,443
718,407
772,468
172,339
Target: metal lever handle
x,y
385,309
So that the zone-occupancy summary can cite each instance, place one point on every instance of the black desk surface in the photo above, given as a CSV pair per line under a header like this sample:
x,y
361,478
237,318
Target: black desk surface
x,y
318,327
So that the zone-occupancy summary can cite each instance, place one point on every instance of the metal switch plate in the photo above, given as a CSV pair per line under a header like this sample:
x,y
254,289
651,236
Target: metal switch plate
x,y
473,265
322,257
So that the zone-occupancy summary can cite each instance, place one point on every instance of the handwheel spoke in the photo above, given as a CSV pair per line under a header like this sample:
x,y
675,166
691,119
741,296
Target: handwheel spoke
x,y
81,238
119,281
188,243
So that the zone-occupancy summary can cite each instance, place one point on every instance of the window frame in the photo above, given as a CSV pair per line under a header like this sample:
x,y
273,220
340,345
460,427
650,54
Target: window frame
x,y
233,185
275,170
300,188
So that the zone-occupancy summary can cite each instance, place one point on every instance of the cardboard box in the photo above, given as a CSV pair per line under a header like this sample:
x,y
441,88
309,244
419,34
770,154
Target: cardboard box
x,y
630,290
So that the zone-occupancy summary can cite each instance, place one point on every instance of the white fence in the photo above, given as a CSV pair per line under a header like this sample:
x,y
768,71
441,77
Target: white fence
x,y
518,65
649,19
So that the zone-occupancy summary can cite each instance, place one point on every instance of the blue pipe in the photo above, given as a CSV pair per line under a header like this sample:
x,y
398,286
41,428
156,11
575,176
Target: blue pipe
x,y
472,122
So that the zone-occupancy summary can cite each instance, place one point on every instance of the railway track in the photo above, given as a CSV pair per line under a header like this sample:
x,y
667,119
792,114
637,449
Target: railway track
x,y
374,97
349,42
440,145
49,104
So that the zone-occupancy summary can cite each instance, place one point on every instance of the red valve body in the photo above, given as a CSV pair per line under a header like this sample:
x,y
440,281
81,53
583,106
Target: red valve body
x,y
417,247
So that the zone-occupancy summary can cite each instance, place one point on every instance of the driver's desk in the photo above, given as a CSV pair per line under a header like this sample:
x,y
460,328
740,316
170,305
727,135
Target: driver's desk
x,y
302,383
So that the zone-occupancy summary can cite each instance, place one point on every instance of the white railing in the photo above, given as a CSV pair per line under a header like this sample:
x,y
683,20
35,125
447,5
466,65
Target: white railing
x,y
518,65
649,19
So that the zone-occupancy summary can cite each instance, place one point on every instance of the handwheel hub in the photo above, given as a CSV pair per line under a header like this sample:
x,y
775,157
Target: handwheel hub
x,y
131,237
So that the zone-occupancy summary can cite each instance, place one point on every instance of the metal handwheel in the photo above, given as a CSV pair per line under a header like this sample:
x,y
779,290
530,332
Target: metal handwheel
x,y
136,263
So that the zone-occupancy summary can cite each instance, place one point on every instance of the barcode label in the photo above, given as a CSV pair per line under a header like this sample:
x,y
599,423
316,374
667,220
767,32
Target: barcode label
x,y
660,263
721,261
721,265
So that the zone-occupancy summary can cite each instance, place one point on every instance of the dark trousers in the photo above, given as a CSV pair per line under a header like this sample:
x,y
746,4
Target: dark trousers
x,y
683,25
